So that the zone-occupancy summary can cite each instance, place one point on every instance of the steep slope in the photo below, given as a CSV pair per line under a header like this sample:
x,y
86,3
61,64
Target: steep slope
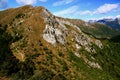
x,y
36,45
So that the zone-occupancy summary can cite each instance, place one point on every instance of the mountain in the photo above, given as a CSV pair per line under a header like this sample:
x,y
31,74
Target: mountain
x,y
36,45
113,23
100,31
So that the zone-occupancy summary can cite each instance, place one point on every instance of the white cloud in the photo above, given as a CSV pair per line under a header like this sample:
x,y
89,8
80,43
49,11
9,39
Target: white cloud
x,y
85,12
24,2
102,9
105,8
118,16
74,11
69,11
107,17
62,2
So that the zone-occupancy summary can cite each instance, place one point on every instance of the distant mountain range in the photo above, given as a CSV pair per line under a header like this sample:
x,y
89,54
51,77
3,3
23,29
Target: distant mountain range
x,y
113,23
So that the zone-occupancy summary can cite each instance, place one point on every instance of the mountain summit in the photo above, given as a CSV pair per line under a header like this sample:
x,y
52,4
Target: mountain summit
x,y
36,45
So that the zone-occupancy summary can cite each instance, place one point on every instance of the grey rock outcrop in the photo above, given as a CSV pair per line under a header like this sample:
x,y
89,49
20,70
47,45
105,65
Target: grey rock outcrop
x,y
56,32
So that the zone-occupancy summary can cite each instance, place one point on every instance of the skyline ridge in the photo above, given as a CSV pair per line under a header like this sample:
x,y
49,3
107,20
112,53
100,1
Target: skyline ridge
x,y
77,9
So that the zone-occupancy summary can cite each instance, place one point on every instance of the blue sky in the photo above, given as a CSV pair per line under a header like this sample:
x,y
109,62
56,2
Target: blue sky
x,y
80,9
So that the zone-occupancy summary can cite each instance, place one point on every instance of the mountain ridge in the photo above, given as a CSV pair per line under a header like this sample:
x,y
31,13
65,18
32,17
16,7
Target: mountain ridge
x,y
114,23
40,46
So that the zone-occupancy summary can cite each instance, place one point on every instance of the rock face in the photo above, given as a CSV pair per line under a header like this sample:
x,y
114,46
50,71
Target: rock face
x,y
56,31
53,30
52,35
49,35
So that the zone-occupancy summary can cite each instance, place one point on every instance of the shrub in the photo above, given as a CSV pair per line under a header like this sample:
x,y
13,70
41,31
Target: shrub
x,y
60,54
19,15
